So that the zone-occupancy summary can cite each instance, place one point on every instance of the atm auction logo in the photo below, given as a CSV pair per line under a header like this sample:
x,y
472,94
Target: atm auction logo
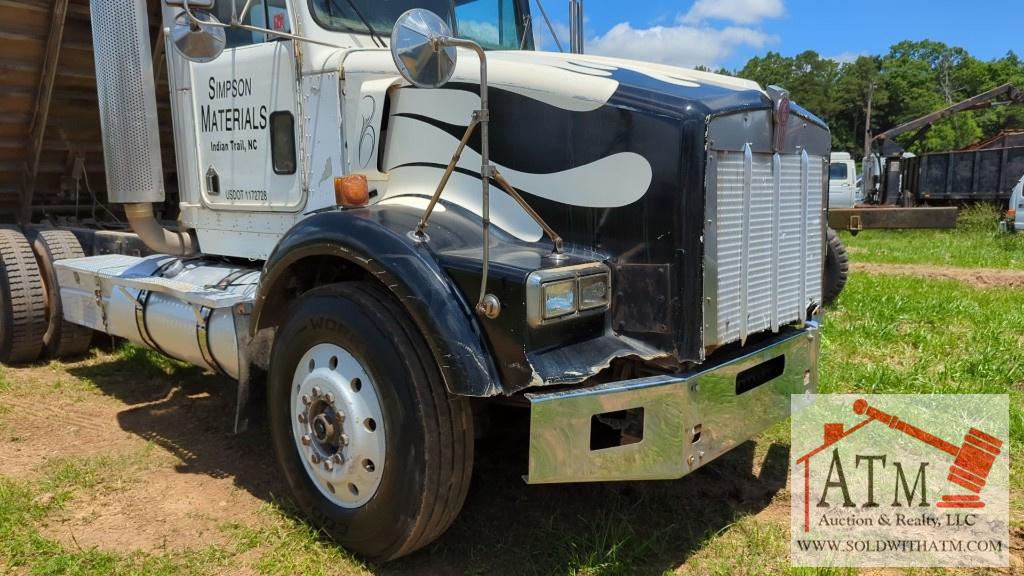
x,y
903,480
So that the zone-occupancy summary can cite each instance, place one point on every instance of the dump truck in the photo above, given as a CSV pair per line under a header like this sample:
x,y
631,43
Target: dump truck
x,y
386,216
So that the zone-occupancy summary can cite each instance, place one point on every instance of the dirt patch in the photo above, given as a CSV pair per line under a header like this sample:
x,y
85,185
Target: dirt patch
x,y
160,512
977,277
195,475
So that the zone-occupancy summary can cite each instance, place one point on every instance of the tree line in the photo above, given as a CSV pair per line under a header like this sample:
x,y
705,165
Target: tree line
x,y
913,79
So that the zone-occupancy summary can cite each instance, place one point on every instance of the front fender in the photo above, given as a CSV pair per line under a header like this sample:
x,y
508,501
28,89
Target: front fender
x,y
375,240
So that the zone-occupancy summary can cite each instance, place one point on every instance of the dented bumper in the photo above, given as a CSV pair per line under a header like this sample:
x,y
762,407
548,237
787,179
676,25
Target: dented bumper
x,y
672,424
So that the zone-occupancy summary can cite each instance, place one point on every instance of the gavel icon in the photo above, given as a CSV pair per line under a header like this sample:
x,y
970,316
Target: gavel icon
x,y
972,460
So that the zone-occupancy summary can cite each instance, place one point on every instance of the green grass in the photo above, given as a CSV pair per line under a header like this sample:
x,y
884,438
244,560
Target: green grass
x,y
289,546
975,243
891,334
751,547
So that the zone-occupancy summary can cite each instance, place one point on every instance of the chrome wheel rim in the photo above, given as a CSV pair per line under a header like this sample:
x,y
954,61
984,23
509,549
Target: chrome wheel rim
x,y
338,425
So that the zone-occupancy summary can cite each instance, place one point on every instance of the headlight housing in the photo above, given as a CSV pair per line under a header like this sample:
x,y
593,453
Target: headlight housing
x,y
558,294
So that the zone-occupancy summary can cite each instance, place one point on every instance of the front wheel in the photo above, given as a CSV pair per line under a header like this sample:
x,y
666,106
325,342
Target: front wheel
x,y
837,268
374,450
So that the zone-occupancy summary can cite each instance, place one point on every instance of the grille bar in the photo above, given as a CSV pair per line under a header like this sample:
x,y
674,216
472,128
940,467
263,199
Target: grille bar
x,y
763,242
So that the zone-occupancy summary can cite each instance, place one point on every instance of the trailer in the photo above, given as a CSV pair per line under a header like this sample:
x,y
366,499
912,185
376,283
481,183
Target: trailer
x,y
388,222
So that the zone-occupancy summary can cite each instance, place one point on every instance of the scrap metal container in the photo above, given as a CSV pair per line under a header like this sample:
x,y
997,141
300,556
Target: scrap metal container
x,y
987,175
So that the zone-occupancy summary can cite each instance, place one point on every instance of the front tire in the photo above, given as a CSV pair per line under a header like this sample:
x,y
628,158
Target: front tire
x,y
375,452
837,268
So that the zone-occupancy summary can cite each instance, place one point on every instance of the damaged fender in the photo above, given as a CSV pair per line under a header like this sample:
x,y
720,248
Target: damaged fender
x,y
375,239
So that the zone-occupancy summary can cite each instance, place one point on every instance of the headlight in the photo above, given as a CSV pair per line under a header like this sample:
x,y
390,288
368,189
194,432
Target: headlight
x,y
558,294
594,291
559,298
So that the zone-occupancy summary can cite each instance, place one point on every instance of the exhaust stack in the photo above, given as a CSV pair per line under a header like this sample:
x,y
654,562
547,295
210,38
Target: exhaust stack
x,y
126,90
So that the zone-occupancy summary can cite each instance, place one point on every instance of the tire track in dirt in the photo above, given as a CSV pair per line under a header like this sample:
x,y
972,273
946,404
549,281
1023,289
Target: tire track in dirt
x,y
977,277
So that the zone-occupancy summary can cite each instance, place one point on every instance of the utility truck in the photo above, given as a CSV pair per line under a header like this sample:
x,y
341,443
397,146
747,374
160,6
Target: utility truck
x,y
390,214
843,191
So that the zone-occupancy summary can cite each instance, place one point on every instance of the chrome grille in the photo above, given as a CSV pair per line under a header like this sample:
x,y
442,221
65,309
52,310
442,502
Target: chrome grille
x,y
763,242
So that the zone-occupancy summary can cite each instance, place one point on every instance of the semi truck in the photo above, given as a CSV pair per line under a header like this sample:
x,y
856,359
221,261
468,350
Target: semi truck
x,y
387,216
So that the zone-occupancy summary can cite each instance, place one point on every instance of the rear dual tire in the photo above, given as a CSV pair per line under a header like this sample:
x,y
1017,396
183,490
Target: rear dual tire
x,y
23,319
62,339
421,448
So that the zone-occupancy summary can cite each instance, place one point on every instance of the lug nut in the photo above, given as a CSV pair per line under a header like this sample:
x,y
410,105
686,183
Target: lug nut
x,y
344,439
316,391
330,398
315,458
302,417
328,465
339,417
306,440
338,458
305,399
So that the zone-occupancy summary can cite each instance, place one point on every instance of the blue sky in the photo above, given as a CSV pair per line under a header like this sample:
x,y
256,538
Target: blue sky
x,y
728,32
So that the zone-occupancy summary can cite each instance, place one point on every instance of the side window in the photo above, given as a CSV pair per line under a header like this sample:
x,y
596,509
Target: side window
x,y
490,23
272,14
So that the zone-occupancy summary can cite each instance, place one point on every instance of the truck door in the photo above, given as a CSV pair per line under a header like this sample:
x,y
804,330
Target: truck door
x,y
246,116
841,190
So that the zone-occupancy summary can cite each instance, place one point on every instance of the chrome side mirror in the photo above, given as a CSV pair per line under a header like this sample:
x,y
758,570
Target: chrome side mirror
x,y
421,44
194,40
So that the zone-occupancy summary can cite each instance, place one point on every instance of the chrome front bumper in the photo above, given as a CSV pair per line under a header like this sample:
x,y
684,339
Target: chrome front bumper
x,y
687,419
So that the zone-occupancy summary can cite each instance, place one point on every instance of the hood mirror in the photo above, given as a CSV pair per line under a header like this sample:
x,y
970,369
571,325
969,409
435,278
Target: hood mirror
x,y
420,45
194,40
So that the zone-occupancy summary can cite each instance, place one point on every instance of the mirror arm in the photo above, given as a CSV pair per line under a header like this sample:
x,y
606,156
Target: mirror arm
x,y
447,175
238,19
197,22
483,116
555,238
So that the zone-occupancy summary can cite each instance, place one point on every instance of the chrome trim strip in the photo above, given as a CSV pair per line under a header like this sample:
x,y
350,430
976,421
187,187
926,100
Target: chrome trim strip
x,y
748,181
776,235
673,406
805,168
710,250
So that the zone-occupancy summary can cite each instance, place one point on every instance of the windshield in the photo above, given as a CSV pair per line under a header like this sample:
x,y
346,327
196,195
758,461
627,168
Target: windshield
x,y
837,172
494,24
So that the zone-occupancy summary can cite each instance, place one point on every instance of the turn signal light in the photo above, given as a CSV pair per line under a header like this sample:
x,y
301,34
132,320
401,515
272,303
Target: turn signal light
x,y
351,191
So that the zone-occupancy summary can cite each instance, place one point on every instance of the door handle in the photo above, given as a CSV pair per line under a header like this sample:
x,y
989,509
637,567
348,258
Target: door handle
x,y
212,182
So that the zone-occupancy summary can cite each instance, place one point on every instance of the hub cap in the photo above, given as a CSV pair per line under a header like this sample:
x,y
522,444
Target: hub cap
x,y
338,425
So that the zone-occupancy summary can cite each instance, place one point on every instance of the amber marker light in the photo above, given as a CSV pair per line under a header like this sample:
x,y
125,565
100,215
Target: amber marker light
x,y
1011,213
351,191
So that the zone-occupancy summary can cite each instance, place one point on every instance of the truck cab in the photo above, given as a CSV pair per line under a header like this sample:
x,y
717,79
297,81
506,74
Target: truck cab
x,y
843,188
392,215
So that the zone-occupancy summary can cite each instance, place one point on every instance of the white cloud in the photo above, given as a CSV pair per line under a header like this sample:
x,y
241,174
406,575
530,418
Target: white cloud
x,y
738,11
680,45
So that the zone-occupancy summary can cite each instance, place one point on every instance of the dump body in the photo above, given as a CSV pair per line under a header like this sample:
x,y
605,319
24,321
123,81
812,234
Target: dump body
x,y
986,175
